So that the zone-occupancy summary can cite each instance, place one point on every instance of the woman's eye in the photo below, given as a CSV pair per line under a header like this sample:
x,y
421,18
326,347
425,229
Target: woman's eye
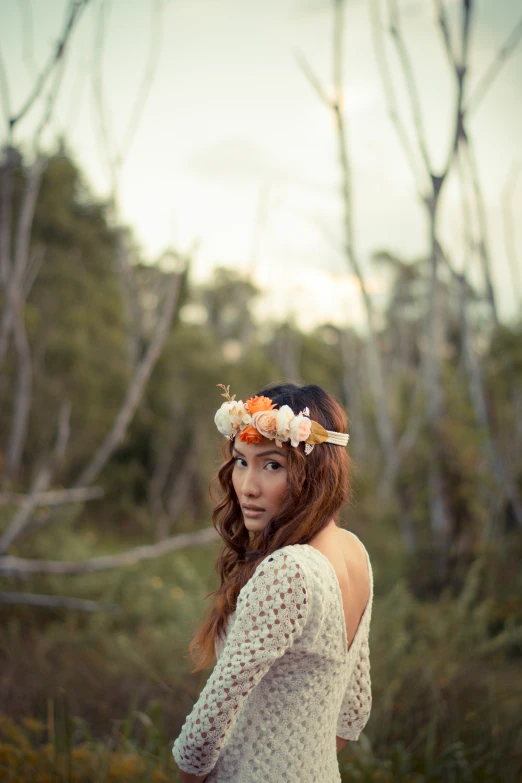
x,y
237,460
273,465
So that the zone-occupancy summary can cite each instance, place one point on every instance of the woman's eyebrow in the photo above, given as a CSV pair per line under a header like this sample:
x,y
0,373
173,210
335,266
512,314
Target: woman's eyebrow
x,y
277,452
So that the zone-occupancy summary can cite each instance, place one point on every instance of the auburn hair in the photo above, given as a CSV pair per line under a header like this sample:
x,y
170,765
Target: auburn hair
x,y
318,487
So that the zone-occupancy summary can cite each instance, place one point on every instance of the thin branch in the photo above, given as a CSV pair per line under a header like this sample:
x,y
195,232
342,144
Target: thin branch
x,y
25,568
410,82
52,95
505,481
14,296
483,245
461,140
115,157
445,29
23,388
97,86
509,231
460,69
335,105
75,9
26,19
40,483
6,208
21,519
466,214
76,98
34,264
337,52
4,95
467,6
312,78
495,67
53,497
156,30
136,387
55,601
390,97
25,220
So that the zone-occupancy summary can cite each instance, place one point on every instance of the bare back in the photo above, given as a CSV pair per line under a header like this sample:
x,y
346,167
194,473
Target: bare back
x,y
349,562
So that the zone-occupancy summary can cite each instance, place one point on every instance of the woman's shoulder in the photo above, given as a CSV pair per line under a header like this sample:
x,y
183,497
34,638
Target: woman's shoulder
x,y
279,569
285,561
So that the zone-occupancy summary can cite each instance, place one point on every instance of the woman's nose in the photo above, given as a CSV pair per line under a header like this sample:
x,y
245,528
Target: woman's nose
x,y
251,486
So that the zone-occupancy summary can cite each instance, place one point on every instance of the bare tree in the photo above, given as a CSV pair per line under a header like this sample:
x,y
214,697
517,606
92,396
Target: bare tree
x,y
430,184
15,262
19,265
335,104
372,351
116,154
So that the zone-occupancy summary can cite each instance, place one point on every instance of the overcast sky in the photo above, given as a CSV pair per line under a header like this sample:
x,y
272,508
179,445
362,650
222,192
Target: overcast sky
x,y
234,150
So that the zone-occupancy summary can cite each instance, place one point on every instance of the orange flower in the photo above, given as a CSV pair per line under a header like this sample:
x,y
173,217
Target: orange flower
x,y
256,404
250,435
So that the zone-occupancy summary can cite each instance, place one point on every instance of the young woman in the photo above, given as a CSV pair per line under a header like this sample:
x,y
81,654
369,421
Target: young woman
x,y
290,622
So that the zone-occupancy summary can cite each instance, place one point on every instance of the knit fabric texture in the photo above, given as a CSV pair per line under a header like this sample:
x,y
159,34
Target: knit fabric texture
x,y
285,683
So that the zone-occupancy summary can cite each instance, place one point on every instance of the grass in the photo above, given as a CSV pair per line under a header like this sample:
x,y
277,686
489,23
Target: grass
x,y
101,697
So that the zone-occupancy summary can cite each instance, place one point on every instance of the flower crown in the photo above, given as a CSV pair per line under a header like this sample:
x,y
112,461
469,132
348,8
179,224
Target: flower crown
x,y
258,417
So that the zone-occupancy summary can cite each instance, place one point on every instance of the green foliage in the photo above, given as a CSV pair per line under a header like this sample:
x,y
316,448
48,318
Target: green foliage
x,y
107,692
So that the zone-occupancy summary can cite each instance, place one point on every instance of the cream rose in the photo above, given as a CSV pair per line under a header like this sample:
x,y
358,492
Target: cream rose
x,y
300,428
231,417
265,423
285,415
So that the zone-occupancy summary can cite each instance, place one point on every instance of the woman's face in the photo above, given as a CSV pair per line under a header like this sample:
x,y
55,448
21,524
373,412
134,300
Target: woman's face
x,y
260,480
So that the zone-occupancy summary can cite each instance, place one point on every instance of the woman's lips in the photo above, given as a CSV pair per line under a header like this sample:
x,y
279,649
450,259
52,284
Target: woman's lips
x,y
253,512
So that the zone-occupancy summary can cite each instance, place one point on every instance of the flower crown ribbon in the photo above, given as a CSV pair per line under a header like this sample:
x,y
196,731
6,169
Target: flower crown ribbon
x,y
258,417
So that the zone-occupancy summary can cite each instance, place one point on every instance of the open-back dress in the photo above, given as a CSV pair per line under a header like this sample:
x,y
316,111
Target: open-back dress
x,y
286,682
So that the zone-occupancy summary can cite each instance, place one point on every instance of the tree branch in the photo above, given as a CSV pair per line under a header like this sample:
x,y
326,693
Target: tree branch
x,y
445,29
53,497
136,388
483,244
97,86
23,389
509,231
335,104
55,601
495,67
75,9
389,95
410,82
24,568
40,483
14,292
156,30
5,100
26,19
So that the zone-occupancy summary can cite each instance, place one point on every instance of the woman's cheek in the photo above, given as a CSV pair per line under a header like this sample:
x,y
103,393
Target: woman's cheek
x,y
235,482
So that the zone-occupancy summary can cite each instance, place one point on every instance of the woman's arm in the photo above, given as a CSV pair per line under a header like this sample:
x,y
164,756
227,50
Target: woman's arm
x,y
340,745
270,617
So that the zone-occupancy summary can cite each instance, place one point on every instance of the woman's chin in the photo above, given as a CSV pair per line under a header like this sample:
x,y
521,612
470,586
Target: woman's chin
x,y
253,524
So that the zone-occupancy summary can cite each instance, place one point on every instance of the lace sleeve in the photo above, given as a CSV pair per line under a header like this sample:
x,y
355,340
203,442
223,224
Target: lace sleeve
x,y
357,701
271,613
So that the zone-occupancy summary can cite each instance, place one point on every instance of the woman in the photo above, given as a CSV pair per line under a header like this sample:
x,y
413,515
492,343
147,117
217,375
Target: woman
x,y
290,621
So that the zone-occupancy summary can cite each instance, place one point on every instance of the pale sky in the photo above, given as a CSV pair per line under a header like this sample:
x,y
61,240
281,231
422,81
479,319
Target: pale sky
x,y
235,152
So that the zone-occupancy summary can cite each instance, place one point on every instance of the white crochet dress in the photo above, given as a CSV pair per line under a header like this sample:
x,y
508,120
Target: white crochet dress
x,y
284,684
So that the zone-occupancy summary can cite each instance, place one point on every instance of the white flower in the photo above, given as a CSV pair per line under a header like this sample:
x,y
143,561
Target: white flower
x,y
231,417
300,428
285,415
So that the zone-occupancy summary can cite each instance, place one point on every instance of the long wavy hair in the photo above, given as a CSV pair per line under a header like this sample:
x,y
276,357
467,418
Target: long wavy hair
x,y
318,487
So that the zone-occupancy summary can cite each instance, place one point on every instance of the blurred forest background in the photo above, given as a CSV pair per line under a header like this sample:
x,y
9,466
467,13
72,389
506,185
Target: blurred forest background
x,y
108,373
